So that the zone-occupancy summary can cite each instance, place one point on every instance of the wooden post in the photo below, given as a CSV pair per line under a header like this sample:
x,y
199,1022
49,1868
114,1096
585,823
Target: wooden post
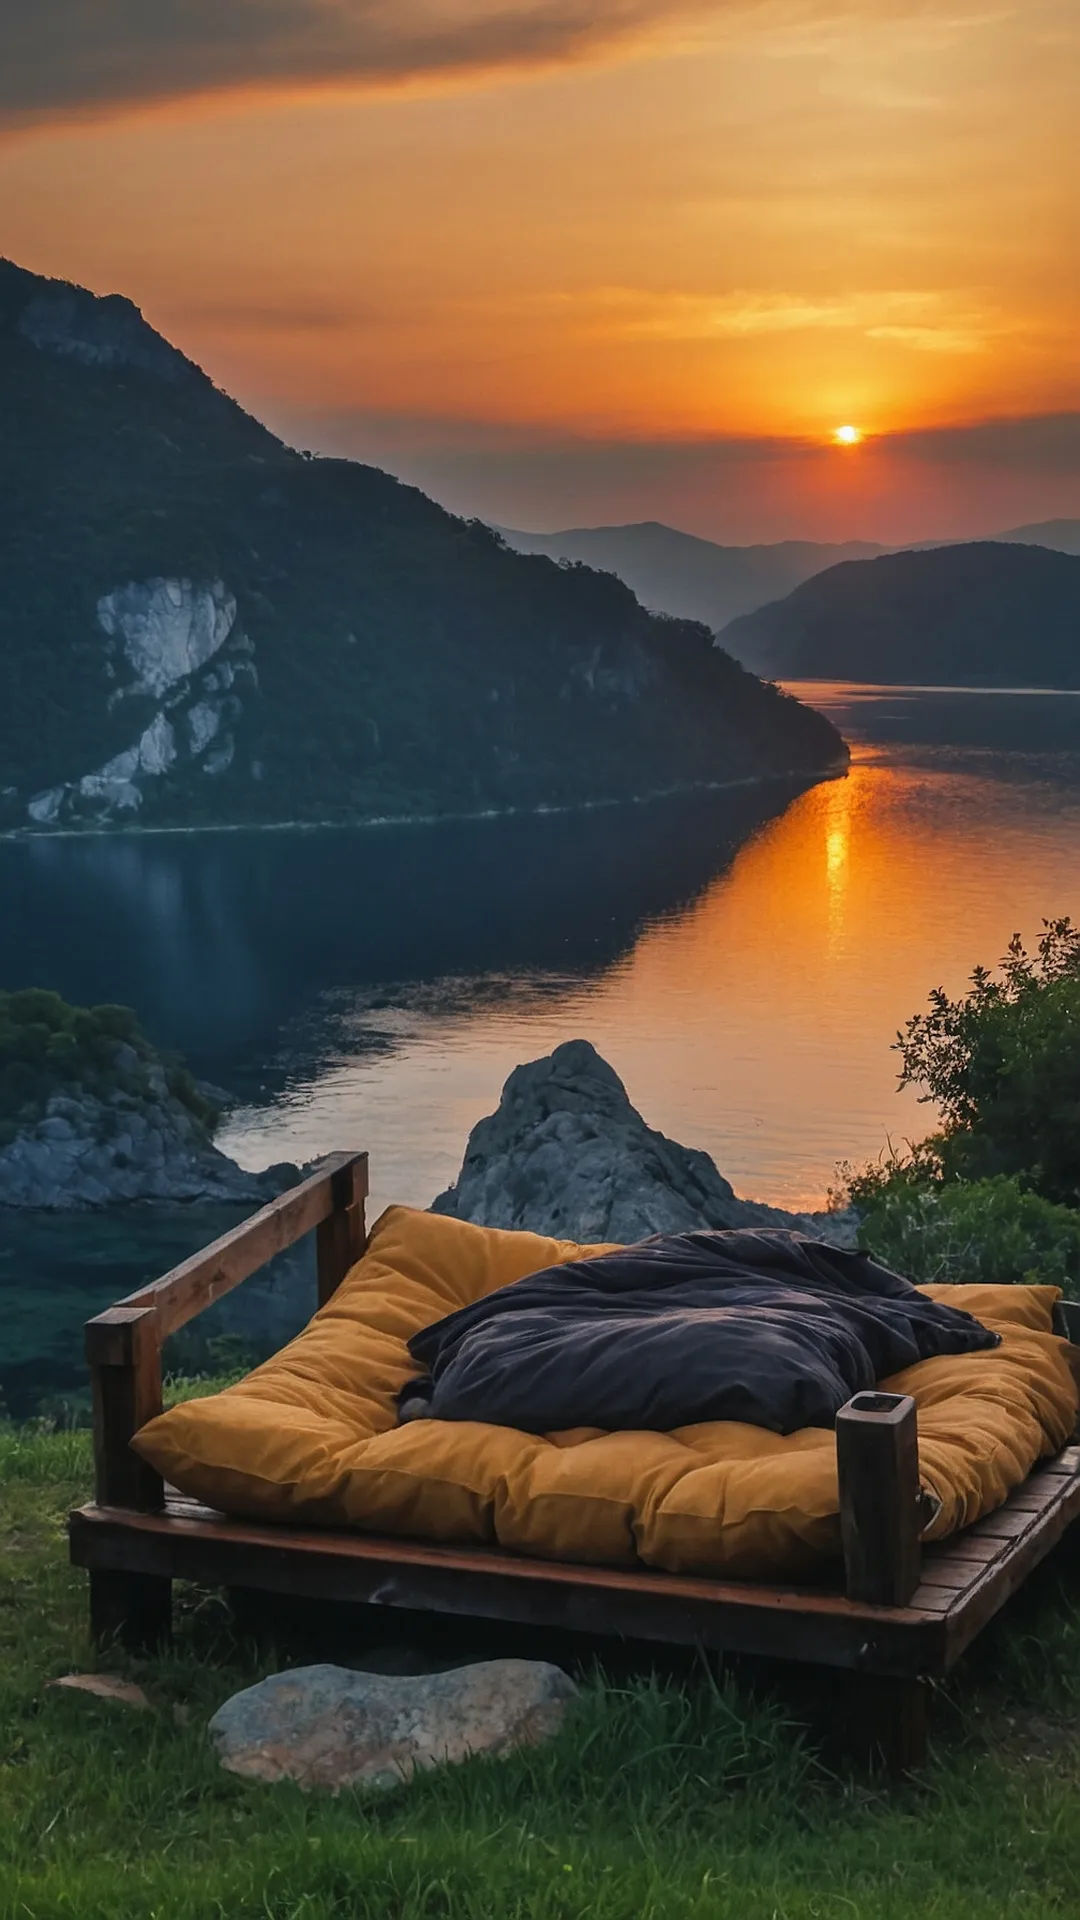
x,y
877,1459
124,1353
1067,1320
1067,1324
879,1721
340,1239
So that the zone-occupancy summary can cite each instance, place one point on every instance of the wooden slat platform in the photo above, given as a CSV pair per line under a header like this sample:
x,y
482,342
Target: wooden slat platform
x,y
963,1584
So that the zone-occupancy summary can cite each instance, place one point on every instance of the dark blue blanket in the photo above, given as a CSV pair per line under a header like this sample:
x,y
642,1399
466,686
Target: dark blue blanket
x,y
766,1327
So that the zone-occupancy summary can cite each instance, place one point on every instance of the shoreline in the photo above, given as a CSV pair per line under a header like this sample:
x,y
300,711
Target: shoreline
x,y
833,770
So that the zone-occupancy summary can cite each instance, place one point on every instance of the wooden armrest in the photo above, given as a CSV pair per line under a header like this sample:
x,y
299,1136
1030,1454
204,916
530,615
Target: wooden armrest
x,y
123,1344
338,1187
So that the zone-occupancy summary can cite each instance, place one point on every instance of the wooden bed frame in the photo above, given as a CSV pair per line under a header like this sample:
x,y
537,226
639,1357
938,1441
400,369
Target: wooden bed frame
x,y
900,1620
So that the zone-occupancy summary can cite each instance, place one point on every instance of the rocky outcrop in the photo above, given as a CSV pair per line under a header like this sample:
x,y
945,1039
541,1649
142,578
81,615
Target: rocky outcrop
x,y
566,1154
90,1152
331,1727
98,330
161,637
167,629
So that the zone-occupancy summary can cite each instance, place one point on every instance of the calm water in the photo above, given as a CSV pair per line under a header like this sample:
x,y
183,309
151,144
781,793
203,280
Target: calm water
x,y
744,960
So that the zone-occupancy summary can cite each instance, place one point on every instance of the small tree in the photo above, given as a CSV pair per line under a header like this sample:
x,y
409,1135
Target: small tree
x,y
1003,1066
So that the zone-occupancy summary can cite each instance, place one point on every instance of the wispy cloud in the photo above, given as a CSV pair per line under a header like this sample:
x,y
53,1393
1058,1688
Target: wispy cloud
x,y
72,57
60,56
929,321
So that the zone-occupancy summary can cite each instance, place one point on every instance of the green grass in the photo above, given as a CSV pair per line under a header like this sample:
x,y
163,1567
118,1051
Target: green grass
x,y
660,1800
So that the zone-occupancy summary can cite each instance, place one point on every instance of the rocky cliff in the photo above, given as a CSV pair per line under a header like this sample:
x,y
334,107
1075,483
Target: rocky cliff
x,y
87,1152
566,1154
178,643
92,1116
201,626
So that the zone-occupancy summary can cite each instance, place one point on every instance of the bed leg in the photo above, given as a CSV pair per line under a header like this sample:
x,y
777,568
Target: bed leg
x,y
133,1610
887,1724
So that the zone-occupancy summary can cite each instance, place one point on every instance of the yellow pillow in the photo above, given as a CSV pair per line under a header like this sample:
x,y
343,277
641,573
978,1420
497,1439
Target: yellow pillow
x,y
311,1435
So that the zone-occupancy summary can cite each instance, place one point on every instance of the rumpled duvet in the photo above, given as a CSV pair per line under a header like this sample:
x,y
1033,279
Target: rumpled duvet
x,y
766,1327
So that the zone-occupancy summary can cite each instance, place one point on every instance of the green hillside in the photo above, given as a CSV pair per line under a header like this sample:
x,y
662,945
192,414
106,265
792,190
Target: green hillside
x,y
200,625
984,614
695,579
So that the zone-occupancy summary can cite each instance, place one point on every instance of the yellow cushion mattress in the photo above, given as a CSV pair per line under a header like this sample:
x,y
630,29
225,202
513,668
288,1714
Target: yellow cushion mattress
x,y
311,1436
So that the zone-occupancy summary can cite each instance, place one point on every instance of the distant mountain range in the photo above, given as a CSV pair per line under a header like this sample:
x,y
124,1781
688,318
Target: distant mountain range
x,y
199,625
986,613
678,573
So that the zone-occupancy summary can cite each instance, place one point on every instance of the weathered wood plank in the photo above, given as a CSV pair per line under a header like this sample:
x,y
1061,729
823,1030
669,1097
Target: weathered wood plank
x,y
877,1458
952,1577
961,1546
1008,1523
783,1623
1010,1568
928,1598
196,1283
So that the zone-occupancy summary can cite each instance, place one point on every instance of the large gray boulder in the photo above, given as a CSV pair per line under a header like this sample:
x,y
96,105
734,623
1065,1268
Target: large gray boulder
x,y
88,1152
332,1727
566,1154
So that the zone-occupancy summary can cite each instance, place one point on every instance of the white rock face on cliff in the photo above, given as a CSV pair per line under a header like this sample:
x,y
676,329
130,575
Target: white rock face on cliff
x,y
113,785
566,1154
101,331
161,637
203,721
157,748
44,808
168,628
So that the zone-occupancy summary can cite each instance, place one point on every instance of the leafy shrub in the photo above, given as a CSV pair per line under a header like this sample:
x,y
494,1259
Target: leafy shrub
x,y
992,1230
49,1047
1003,1066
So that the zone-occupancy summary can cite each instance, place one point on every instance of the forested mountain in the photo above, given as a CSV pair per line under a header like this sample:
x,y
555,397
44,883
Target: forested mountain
x,y
1064,535
677,573
200,625
988,613
694,579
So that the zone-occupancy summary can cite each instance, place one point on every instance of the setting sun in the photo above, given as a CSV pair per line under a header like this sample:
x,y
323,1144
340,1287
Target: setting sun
x,y
847,436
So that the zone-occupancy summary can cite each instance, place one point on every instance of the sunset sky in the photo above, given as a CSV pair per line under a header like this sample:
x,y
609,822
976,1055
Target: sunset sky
x,y
566,262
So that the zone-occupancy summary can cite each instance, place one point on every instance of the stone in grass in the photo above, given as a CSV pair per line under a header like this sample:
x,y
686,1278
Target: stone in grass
x,y
332,1727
